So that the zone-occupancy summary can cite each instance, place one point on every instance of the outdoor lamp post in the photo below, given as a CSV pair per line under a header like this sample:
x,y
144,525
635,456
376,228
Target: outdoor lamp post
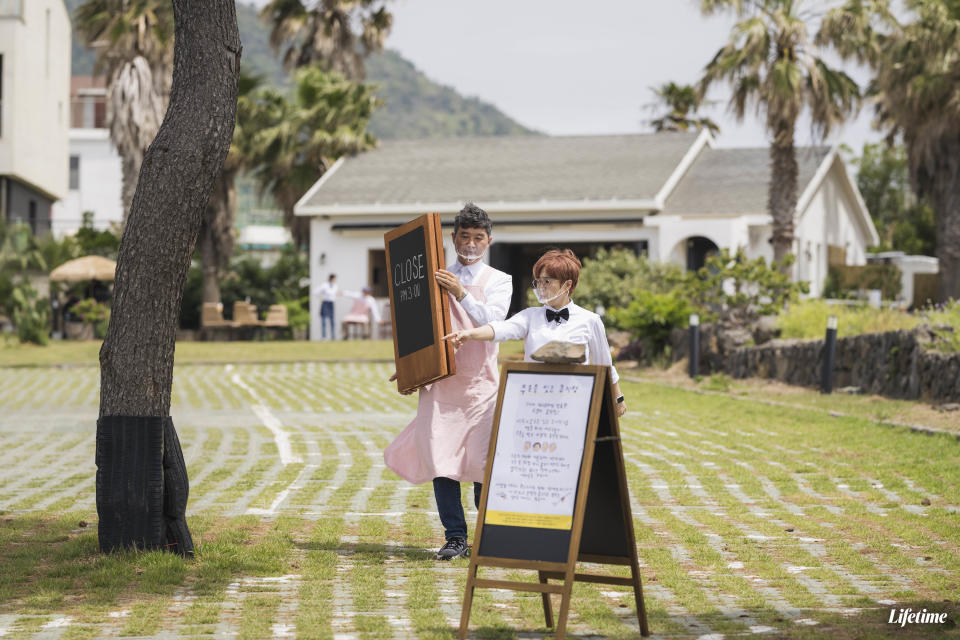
x,y
829,353
694,344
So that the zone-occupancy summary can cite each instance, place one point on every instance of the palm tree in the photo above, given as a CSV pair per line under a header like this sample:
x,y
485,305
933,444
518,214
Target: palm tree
x,y
320,32
134,44
916,92
293,142
771,63
680,100
216,239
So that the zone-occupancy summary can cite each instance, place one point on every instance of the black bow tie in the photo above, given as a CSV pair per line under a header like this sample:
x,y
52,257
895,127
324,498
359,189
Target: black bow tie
x,y
556,316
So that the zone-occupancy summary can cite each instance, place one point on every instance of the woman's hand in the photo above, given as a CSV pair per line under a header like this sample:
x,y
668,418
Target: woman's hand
x,y
393,378
457,338
621,409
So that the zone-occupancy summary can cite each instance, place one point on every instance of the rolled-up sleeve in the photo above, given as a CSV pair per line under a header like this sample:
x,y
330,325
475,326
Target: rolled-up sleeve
x,y
599,348
516,328
498,294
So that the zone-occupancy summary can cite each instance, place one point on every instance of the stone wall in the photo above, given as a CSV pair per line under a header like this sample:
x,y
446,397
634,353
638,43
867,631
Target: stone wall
x,y
896,364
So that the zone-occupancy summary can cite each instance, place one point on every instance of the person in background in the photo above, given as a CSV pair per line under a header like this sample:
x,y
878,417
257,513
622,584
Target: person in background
x,y
365,312
447,441
555,277
328,294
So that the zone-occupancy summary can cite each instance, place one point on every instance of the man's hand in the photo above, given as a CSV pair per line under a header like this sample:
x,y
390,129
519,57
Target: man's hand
x,y
450,282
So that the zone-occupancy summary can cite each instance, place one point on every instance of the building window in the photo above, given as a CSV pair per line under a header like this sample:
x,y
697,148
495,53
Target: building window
x,y
74,173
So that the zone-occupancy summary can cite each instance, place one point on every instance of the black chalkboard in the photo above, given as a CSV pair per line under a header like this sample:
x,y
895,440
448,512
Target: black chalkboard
x,y
411,294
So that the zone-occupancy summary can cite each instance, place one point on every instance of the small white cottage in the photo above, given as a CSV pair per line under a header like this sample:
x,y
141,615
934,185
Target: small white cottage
x,y
672,196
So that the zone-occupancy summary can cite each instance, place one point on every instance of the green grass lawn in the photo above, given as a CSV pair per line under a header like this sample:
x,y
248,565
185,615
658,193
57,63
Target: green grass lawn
x,y
871,407
71,352
752,518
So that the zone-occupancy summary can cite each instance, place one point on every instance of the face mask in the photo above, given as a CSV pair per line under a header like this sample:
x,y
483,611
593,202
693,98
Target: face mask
x,y
543,298
470,254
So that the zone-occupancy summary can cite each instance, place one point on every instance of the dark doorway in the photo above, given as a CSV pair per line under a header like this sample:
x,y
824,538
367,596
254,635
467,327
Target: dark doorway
x,y
377,273
518,259
698,250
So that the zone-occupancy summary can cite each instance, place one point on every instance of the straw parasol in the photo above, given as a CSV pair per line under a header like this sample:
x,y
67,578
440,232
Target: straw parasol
x,y
85,268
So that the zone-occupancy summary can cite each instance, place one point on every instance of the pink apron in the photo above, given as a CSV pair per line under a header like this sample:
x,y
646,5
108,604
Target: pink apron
x,y
451,433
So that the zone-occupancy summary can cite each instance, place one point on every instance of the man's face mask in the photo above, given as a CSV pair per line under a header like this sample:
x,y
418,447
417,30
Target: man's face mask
x,y
471,244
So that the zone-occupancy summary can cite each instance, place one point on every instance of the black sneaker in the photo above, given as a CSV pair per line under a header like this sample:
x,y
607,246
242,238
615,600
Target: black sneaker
x,y
455,548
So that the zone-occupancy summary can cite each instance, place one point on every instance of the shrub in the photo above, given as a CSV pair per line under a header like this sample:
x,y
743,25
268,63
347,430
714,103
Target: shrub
x,y
31,315
808,319
845,281
946,315
92,312
610,278
731,287
92,242
298,312
651,316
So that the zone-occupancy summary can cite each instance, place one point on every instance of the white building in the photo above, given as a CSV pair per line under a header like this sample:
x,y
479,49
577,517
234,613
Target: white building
x,y
672,196
34,109
910,267
95,182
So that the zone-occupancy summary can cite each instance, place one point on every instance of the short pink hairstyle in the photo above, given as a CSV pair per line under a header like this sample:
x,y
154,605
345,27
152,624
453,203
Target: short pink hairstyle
x,y
561,264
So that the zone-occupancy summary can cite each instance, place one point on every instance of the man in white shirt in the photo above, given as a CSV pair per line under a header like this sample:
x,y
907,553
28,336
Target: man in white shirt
x,y
447,441
328,294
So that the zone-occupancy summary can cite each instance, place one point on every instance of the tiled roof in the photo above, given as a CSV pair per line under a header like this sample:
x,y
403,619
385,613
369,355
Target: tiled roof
x,y
734,181
506,169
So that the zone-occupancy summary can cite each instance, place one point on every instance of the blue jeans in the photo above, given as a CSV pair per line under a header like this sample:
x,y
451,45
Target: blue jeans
x,y
447,493
326,313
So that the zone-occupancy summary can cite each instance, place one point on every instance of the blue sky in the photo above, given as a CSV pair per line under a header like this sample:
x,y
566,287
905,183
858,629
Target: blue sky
x,y
568,67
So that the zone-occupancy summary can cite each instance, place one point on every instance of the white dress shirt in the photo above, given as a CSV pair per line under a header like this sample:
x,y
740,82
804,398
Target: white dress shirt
x,y
498,290
583,327
327,292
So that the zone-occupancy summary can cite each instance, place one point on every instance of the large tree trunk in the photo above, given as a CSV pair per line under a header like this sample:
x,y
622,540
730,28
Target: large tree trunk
x,y
782,192
209,265
137,451
216,233
945,198
299,227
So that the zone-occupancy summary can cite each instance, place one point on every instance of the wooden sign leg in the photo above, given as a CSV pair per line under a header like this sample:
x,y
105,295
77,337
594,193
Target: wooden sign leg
x,y
565,596
638,595
468,600
547,608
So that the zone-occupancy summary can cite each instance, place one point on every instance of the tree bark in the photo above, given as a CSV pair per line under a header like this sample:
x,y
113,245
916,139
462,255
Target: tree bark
x,y
945,198
141,479
782,192
178,172
210,270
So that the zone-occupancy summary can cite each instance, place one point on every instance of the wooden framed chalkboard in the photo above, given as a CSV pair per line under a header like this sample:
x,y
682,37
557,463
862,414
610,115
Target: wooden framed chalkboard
x,y
555,487
420,309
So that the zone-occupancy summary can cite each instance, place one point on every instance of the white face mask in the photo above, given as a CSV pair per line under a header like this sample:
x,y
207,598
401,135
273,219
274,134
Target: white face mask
x,y
470,254
544,298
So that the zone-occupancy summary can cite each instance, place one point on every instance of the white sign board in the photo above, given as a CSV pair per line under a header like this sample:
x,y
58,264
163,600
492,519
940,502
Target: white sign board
x,y
539,449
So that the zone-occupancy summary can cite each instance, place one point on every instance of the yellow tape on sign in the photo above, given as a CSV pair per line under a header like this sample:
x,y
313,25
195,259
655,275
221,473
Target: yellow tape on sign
x,y
540,521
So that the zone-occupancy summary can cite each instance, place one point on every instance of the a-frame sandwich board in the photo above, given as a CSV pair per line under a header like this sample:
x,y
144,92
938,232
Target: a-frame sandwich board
x,y
525,525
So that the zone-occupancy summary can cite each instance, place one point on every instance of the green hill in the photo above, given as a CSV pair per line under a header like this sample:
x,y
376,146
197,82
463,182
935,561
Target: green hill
x,y
414,106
